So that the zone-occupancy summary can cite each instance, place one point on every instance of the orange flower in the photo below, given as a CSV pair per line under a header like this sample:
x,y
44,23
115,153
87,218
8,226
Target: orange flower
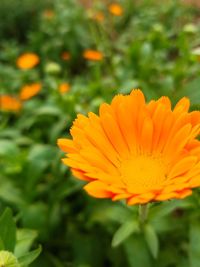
x,y
93,55
65,55
9,103
48,13
63,88
115,9
99,16
30,90
27,61
136,151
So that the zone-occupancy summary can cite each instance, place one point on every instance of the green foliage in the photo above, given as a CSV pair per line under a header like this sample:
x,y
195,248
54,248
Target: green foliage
x,y
14,13
152,240
152,46
194,236
8,231
29,257
16,241
124,232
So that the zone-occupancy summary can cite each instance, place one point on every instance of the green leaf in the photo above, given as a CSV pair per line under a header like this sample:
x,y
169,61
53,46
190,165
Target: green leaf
x,y
29,257
8,148
40,156
9,192
194,241
48,111
124,232
114,213
152,240
137,252
8,230
163,209
1,244
25,238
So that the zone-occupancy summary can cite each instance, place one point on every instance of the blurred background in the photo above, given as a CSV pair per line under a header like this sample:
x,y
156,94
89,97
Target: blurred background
x,y
63,57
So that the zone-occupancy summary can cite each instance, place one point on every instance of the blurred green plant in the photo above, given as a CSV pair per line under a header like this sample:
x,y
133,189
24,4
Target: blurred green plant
x,y
151,46
18,17
15,244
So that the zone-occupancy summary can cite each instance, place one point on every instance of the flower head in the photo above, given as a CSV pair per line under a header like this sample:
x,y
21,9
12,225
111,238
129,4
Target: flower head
x,y
48,14
98,16
115,9
27,61
135,150
65,55
93,55
9,103
30,90
64,88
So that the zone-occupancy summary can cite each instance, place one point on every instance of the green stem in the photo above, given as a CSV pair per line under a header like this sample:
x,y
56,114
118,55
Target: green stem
x,y
143,213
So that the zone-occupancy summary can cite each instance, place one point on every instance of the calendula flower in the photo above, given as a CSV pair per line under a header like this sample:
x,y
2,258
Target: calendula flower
x,y
135,150
115,9
30,90
27,61
7,259
65,55
93,55
9,103
48,13
98,16
64,88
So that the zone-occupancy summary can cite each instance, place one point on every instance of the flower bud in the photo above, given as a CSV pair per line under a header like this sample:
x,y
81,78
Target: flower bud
x,y
8,259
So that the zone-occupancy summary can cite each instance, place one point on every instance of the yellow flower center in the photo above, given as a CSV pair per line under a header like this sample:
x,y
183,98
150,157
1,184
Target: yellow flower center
x,y
142,173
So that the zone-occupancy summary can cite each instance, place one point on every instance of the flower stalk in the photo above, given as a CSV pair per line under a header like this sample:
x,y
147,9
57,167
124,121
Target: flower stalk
x,y
143,212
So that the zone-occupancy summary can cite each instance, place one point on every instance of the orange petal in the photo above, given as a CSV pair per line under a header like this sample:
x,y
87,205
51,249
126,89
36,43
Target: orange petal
x,y
165,101
159,117
195,181
97,189
184,193
121,196
136,200
112,131
127,127
93,156
182,166
80,175
182,105
166,196
195,117
138,96
98,138
178,141
167,124
147,134
66,145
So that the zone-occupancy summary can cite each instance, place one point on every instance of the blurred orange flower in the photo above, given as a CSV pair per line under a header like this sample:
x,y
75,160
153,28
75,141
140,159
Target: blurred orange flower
x,y
115,9
48,13
65,55
92,55
27,61
99,16
9,103
135,150
64,88
29,90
